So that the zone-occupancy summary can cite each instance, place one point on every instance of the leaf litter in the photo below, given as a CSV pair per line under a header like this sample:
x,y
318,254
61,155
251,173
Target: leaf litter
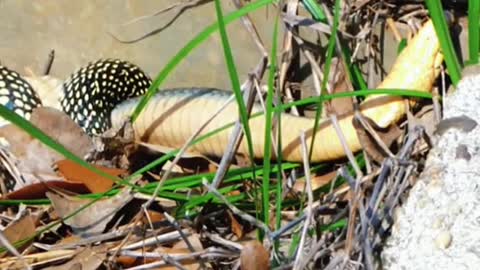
x,y
58,215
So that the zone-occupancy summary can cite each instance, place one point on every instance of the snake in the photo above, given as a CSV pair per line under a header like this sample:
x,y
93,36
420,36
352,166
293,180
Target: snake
x,y
102,94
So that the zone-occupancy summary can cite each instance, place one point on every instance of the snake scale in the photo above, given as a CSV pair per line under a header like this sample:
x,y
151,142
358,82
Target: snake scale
x,y
103,93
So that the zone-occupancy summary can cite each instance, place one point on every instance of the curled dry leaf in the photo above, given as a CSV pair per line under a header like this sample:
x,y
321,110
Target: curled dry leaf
x,y
254,256
95,218
189,161
368,142
39,190
180,248
20,229
317,181
88,258
237,228
29,156
35,158
63,129
193,239
153,216
338,79
94,182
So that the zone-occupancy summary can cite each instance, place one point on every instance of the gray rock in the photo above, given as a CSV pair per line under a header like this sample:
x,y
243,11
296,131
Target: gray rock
x,y
439,226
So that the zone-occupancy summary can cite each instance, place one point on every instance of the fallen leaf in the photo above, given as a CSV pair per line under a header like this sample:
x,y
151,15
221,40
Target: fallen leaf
x,y
193,239
425,118
369,144
153,216
70,239
94,219
88,258
30,155
39,190
237,228
254,256
63,129
337,78
175,169
181,247
190,264
20,229
190,161
94,182
317,181
33,157
165,149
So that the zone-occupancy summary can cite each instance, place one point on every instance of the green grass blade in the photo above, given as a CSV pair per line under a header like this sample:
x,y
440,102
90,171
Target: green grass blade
x,y
353,71
326,72
172,185
267,148
401,45
359,93
232,71
188,48
314,9
441,28
473,31
280,165
331,46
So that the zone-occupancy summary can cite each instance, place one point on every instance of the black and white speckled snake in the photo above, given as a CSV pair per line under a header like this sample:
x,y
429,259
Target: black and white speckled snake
x,y
88,95
104,92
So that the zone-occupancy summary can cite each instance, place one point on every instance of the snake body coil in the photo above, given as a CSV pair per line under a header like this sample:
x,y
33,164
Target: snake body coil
x,y
92,97
88,95
16,93
91,93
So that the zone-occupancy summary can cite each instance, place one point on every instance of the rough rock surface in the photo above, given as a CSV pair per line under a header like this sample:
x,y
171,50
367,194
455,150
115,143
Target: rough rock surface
x,y
439,226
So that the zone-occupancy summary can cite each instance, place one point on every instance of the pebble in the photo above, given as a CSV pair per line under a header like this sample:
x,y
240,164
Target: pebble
x,y
443,240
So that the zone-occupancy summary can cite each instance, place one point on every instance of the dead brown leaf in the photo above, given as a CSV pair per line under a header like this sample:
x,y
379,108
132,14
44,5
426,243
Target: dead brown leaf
x,y
63,129
20,229
193,239
337,77
370,145
237,228
69,239
88,258
92,220
182,248
153,216
34,158
254,256
191,264
94,182
179,248
317,181
38,190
